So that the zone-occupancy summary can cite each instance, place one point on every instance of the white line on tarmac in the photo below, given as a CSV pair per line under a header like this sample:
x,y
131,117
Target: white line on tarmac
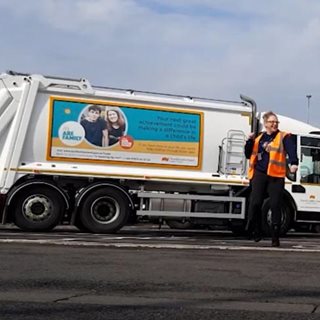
x,y
67,242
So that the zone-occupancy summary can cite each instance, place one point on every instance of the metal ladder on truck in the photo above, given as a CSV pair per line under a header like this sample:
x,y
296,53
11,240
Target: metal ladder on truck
x,y
232,157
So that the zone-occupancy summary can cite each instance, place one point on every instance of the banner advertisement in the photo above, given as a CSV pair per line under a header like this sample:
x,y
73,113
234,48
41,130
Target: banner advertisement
x,y
123,133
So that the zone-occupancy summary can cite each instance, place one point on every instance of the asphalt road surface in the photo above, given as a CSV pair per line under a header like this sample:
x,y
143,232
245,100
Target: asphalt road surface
x,y
146,273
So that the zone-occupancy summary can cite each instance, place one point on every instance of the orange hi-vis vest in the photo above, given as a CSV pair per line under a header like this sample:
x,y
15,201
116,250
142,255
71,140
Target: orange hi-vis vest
x,y
277,157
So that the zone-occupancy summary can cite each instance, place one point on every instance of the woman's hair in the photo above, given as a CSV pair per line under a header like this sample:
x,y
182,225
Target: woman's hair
x,y
268,114
120,122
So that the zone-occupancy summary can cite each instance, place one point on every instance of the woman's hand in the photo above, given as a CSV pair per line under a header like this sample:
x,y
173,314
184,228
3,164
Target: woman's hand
x,y
293,168
267,146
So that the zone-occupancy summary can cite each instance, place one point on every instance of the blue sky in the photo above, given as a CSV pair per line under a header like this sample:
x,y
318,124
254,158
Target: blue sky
x,y
268,50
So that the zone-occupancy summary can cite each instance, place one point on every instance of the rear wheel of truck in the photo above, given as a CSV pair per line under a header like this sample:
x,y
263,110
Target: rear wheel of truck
x,y
104,210
78,224
286,217
38,208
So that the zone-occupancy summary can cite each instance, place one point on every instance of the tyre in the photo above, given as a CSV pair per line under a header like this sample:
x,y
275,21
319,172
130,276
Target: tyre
x,y
78,224
179,224
316,228
104,210
38,208
286,217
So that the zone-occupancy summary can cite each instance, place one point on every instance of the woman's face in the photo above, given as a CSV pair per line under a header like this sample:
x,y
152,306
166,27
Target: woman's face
x,y
113,116
271,124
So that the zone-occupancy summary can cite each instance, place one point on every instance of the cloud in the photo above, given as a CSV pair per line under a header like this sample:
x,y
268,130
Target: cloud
x,y
219,49
77,15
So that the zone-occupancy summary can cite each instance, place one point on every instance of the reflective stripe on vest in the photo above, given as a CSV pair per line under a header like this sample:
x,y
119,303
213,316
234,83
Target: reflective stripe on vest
x,y
277,157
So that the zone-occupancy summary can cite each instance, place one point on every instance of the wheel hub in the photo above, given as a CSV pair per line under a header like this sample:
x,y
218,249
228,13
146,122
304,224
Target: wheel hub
x,y
105,210
37,208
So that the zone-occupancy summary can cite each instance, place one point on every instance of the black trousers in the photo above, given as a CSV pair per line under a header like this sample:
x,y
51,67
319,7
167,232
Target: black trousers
x,y
263,185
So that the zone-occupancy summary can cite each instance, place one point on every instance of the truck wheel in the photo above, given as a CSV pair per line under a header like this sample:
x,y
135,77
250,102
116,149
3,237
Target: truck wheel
x,y
179,224
104,210
316,228
38,208
78,224
286,218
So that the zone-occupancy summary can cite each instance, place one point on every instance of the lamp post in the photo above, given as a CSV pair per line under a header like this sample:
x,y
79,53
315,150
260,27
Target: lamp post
x,y
308,97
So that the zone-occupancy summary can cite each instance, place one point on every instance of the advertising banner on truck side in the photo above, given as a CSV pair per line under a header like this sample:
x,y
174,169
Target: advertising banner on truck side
x,y
94,131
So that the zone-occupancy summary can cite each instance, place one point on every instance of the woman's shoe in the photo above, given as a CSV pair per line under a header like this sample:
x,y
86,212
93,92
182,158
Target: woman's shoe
x,y
275,242
275,233
257,236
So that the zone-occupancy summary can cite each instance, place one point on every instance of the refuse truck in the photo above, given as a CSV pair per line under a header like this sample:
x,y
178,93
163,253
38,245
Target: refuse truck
x,y
96,157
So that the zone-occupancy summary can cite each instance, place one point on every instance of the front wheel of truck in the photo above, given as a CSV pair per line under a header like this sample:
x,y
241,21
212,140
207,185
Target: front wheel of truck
x,y
104,210
286,217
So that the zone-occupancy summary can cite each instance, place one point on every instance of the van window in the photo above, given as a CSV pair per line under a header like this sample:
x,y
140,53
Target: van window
x,y
310,160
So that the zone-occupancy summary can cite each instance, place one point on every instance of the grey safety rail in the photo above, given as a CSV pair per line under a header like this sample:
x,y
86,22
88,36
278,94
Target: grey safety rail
x,y
163,209
245,99
232,158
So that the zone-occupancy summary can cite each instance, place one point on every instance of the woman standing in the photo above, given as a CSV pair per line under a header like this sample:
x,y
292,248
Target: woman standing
x,y
267,170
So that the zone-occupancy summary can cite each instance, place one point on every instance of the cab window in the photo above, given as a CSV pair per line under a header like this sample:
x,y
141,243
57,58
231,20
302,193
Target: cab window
x,y
310,160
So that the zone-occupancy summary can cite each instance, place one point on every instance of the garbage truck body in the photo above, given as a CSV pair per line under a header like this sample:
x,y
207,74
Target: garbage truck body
x,y
94,157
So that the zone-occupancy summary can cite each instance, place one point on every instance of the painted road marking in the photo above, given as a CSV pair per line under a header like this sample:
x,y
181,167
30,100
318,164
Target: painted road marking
x,y
67,242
